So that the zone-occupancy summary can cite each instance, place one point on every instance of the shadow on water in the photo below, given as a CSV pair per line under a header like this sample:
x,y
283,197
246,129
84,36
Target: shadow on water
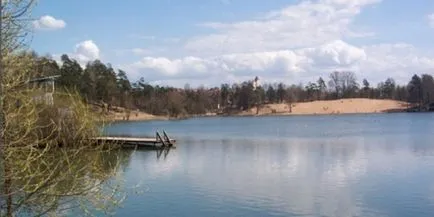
x,y
161,151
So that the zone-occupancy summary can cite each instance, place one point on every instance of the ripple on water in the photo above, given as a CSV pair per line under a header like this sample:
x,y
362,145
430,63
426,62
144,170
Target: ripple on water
x,y
332,166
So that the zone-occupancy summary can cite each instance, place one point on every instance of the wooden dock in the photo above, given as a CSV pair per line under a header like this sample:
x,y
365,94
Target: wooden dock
x,y
159,142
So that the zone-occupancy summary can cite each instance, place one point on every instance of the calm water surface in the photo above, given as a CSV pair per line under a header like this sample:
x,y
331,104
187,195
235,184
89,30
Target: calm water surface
x,y
348,165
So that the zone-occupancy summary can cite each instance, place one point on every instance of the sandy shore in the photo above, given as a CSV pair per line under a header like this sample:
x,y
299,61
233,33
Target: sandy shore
x,y
343,106
134,116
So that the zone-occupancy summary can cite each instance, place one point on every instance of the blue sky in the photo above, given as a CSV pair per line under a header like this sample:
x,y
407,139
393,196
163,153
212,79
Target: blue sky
x,y
214,41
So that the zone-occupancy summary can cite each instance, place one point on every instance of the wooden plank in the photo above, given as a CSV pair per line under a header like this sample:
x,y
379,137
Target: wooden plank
x,y
130,139
139,142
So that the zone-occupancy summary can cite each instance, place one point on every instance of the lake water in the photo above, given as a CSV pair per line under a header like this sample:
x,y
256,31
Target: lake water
x,y
347,165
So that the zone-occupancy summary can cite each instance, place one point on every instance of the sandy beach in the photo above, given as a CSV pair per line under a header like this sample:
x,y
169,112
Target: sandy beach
x,y
134,116
342,106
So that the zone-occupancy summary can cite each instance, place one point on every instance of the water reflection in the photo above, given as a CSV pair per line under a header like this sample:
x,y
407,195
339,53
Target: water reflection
x,y
348,165
297,177
163,152
289,178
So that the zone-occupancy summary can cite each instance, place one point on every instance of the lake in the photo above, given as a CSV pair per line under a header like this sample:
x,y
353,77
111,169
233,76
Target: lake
x,y
346,165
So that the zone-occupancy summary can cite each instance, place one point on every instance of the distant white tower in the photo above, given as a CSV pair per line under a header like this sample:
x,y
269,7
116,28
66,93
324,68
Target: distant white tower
x,y
255,83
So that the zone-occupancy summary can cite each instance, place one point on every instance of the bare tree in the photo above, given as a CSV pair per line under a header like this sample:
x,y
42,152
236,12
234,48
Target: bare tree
x,y
37,176
335,83
322,88
349,83
13,31
344,83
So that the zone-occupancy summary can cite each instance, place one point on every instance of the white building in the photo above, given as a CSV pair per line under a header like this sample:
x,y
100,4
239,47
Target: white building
x,y
256,83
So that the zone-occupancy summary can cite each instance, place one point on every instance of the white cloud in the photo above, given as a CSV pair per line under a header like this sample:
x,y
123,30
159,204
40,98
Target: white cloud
x,y
376,62
48,23
335,53
86,51
306,24
399,61
282,63
298,43
174,67
431,20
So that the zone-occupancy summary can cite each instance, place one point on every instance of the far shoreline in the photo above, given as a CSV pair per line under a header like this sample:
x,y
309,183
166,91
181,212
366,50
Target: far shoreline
x,y
253,116
352,106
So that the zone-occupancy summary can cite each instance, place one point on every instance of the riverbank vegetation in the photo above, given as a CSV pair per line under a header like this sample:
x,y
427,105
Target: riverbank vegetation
x,y
47,165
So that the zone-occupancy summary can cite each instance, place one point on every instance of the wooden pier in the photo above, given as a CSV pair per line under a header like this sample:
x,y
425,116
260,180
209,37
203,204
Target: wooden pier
x,y
159,142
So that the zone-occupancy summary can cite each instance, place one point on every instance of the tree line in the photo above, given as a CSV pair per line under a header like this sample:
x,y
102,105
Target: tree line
x,y
101,83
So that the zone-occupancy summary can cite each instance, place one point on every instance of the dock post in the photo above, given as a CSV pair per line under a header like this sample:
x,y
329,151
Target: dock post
x,y
166,137
162,141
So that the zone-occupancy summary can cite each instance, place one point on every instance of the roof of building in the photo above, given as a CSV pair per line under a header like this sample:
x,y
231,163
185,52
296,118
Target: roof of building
x,y
44,79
